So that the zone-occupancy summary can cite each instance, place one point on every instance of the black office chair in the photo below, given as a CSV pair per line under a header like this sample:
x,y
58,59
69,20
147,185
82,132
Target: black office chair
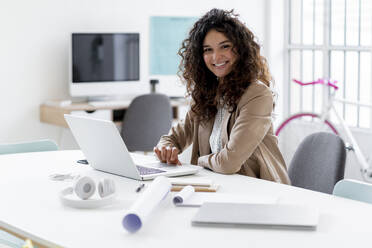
x,y
318,163
147,118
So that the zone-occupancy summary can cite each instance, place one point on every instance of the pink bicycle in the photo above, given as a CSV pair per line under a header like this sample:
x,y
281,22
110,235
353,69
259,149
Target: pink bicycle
x,y
296,127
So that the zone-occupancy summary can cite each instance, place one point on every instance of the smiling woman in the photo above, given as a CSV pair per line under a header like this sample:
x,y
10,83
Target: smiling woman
x,y
218,54
229,123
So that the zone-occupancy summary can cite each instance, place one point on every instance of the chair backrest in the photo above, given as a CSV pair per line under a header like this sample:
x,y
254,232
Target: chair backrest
x,y
30,146
353,189
147,118
318,163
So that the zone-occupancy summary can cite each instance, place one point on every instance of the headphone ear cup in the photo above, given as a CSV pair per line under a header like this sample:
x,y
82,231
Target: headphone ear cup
x,y
84,187
106,187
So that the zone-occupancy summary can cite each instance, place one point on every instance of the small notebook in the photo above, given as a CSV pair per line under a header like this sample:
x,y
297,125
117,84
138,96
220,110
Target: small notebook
x,y
269,215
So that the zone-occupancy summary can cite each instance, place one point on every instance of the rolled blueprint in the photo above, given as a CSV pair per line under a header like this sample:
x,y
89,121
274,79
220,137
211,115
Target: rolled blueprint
x,y
146,203
185,193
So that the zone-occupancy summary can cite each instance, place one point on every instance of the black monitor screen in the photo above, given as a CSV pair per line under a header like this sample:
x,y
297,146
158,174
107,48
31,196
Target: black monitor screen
x,y
105,57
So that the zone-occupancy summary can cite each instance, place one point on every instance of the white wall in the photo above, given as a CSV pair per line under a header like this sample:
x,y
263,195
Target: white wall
x,y
274,51
34,50
35,39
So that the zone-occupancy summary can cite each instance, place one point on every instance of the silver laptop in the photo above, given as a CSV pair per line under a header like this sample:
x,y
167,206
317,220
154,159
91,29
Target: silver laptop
x,y
105,150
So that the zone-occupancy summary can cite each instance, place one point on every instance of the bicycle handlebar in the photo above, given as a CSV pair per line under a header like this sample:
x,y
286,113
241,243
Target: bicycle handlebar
x,y
327,82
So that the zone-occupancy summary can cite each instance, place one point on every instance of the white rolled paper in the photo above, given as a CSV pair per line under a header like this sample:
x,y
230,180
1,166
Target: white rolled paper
x,y
185,193
146,203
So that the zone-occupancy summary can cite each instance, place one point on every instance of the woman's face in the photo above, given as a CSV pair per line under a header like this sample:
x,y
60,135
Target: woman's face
x,y
218,53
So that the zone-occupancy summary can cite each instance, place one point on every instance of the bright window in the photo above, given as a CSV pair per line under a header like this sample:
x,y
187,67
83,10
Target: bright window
x,y
330,39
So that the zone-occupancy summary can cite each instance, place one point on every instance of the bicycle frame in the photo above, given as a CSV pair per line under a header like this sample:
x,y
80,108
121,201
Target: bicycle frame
x,y
365,169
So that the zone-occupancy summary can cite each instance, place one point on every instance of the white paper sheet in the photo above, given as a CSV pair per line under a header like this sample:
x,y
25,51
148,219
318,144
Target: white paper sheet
x,y
189,198
137,215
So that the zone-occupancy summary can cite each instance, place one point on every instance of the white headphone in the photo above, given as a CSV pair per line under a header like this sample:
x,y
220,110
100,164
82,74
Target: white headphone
x,y
84,188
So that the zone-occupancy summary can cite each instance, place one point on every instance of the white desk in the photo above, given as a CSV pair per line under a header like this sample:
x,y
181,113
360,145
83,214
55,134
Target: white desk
x,y
30,206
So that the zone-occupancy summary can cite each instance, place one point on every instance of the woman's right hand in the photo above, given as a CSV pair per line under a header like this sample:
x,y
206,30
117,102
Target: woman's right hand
x,y
167,154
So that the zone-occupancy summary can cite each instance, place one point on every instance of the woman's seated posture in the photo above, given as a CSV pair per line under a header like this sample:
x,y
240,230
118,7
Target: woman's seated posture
x,y
230,119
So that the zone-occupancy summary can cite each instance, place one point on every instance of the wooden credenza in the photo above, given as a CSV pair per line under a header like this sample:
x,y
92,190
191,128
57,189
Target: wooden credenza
x,y
52,112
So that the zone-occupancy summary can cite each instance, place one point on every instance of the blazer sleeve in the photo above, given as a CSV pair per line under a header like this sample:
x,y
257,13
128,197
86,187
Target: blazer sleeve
x,y
180,135
250,127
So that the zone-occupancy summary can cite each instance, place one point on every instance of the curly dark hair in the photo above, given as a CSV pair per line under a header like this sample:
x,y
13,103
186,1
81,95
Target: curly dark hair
x,y
201,83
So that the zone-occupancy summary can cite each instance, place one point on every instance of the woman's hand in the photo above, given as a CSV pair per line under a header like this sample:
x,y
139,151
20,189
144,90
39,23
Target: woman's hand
x,y
167,154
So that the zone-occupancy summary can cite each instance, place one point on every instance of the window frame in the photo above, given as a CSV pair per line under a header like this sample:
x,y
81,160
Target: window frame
x,y
326,48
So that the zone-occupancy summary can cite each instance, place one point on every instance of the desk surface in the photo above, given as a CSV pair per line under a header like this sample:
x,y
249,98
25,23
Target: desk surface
x,y
30,206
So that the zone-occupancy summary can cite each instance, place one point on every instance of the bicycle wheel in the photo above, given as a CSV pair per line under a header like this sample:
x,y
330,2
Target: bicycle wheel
x,y
295,128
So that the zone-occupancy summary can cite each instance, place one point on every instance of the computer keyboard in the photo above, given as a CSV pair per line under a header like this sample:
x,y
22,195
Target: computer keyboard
x,y
147,170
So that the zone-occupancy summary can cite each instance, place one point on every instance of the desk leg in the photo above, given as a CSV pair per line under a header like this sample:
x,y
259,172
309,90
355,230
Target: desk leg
x,y
60,136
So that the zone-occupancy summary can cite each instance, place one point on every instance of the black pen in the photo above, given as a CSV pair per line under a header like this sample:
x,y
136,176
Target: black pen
x,y
140,187
82,161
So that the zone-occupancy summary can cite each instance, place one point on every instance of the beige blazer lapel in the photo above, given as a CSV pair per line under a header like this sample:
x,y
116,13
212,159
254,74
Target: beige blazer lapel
x,y
204,133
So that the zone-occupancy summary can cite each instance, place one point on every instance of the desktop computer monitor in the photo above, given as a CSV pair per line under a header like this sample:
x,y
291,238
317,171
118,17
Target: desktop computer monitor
x,y
104,64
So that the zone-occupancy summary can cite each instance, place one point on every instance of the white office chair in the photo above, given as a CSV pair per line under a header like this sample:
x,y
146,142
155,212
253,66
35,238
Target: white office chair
x,y
28,146
353,189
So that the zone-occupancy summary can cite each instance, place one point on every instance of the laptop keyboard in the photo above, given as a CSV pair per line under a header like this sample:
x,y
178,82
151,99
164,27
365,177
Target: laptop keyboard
x,y
147,170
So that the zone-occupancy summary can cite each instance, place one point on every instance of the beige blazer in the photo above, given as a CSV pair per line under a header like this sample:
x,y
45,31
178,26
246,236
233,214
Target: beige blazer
x,y
249,146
